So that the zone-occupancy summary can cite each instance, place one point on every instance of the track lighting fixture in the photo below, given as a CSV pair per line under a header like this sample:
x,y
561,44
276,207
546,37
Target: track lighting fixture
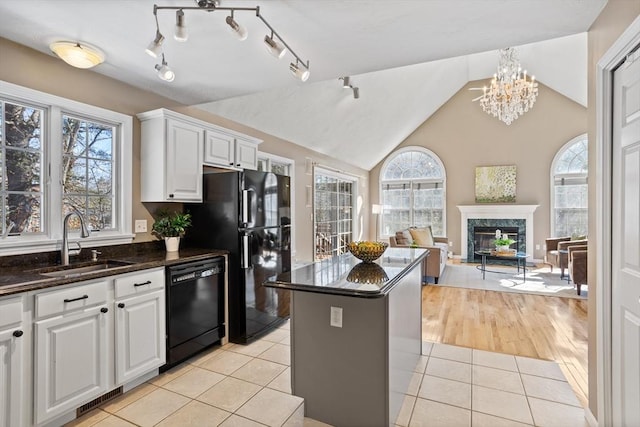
x,y
274,43
237,29
274,47
164,72
300,71
154,47
346,84
180,33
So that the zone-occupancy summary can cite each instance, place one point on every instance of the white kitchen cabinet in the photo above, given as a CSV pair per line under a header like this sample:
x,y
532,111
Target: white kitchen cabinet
x,y
13,338
170,157
229,150
140,325
70,361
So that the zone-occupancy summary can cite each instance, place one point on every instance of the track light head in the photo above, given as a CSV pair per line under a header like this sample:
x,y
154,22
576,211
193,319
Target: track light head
x,y
164,72
180,33
237,29
154,47
300,71
345,82
274,47
356,92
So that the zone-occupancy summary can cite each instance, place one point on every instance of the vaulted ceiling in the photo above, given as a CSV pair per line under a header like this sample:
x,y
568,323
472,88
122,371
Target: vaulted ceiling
x,y
407,57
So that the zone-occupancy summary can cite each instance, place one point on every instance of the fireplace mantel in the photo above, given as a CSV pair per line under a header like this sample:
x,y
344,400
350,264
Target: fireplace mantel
x,y
496,212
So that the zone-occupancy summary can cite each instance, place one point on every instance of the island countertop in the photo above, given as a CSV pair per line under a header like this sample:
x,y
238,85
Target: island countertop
x,y
346,275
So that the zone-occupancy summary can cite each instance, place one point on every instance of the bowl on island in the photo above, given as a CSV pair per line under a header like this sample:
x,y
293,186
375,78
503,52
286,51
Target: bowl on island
x,y
366,250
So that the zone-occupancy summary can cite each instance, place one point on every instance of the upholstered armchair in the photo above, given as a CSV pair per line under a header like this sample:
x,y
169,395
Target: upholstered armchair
x,y
578,265
436,259
552,257
563,254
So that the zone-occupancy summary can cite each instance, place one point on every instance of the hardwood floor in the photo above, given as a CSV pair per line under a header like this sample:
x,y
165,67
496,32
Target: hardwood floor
x,y
536,326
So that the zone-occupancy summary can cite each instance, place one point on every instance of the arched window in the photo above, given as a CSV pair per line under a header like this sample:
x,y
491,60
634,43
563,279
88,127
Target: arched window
x,y
569,172
412,191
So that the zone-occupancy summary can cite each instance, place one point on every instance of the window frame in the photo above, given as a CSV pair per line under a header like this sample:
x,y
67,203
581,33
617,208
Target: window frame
x,y
382,182
553,176
54,108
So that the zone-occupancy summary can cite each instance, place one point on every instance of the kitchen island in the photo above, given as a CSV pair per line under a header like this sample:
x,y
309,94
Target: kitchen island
x,y
355,335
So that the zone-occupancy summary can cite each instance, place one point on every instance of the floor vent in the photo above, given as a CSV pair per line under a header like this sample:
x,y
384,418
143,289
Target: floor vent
x,y
98,401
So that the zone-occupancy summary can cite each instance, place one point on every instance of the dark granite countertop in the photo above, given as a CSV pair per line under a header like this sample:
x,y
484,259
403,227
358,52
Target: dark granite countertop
x,y
347,275
23,273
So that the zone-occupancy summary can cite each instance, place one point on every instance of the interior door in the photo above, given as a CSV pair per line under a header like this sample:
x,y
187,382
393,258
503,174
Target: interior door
x,y
625,239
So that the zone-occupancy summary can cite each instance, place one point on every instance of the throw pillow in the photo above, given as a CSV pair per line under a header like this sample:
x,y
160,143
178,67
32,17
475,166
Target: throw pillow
x,y
407,236
422,236
401,240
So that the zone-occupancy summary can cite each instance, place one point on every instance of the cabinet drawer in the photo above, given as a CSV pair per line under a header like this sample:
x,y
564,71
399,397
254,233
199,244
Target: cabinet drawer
x,y
139,282
10,311
69,299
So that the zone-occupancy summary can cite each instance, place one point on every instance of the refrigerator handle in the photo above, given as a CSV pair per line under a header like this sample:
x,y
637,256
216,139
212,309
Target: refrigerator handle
x,y
246,206
245,252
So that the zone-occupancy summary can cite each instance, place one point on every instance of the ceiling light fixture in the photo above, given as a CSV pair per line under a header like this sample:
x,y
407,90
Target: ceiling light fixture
x,y
180,33
274,47
275,44
77,55
346,84
510,94
164,72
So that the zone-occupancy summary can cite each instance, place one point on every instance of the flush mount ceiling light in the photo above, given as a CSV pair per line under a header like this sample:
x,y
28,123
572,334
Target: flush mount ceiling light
x,y
79,55
274,43
510,94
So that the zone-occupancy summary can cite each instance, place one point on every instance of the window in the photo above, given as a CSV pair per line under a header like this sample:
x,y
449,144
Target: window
x,y
569,172
334,198
57,155
412,191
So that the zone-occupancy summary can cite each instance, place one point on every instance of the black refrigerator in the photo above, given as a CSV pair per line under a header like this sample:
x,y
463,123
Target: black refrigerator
x,y
247,213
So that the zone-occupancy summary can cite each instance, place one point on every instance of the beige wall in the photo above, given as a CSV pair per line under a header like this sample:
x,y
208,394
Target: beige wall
x,y
26,67
463,136
610,24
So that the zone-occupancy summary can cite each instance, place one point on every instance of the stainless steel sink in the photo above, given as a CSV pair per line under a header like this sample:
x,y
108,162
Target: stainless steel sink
x,y
71,271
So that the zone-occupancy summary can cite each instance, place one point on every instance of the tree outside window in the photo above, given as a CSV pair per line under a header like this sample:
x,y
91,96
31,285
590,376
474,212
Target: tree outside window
x,y
569,192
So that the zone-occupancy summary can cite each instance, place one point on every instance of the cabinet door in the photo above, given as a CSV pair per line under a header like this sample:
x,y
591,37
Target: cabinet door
x,y
219,149
140,335
246,154
184,161
11,376
71,361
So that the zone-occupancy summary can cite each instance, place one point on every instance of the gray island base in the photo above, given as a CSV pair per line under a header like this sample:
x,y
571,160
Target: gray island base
x,y
356,335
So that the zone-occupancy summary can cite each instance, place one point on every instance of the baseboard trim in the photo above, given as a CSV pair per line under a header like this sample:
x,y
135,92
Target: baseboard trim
x,y
591,420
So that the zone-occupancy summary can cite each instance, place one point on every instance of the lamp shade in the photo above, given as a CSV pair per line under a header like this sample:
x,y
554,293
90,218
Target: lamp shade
x,y
77,55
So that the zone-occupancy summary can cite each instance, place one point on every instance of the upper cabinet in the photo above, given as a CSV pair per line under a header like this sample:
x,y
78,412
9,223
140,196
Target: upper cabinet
x,y
174,148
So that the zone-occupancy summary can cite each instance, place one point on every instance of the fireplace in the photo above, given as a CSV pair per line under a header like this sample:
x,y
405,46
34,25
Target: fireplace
x,y
483,238
496,216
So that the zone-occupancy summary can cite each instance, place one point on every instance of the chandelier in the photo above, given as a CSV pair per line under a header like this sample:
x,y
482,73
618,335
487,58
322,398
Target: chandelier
x,y
510,94
274,43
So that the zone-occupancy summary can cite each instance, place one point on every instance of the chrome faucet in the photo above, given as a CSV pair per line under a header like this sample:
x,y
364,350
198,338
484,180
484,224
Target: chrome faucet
x,y
84,232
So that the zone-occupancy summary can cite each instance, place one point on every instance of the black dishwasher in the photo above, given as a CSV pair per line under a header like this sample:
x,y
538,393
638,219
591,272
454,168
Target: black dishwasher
x,y
195,308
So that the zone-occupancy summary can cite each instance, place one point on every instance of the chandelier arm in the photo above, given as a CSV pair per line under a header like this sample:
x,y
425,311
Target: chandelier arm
x,y
213,8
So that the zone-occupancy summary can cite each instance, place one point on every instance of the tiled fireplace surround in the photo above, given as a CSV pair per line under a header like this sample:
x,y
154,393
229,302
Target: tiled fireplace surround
x,y
520,216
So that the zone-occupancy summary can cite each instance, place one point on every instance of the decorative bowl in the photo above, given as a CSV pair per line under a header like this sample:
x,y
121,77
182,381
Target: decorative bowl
x,y
367,251
367,272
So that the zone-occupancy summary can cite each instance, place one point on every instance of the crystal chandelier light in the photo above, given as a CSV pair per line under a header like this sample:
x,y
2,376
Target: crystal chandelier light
x,y
510,94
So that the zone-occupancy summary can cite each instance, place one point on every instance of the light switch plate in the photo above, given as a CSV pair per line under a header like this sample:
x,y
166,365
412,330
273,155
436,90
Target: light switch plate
x,y
141,226
336,317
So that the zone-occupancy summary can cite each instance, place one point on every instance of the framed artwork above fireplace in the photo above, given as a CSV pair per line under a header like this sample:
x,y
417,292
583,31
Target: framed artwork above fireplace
x,y
496,184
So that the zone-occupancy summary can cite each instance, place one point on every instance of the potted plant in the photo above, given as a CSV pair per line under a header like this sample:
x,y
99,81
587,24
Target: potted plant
x,y
170,227
502,243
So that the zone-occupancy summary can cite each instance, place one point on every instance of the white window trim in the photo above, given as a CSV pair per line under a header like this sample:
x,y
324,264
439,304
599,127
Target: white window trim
x,y
426,180
552,177
52,218
355,181
292,170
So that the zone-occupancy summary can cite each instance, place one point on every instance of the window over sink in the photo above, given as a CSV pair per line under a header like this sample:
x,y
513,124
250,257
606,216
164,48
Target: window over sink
x,y
57,155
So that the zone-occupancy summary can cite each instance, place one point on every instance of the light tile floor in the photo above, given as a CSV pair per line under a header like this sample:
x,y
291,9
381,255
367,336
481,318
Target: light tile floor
x,y
238,386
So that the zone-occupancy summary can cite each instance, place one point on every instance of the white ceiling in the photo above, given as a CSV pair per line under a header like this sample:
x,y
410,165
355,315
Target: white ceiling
x,y
406,56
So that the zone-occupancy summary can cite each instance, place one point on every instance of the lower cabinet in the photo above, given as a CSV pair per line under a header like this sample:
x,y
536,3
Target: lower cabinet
x,y
140,335
13,336
70,362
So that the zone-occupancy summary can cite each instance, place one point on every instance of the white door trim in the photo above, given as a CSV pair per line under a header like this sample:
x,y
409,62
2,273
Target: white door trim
x,y
604,92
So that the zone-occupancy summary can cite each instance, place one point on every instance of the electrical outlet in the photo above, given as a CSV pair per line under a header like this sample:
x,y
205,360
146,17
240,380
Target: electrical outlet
x,y
141,226
537,247
336,317
450,244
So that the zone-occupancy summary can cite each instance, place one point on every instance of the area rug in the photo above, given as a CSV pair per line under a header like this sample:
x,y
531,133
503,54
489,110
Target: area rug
x,y
539,280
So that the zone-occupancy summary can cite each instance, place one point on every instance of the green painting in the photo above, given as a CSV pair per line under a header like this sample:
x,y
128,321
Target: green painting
x,y
496,184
